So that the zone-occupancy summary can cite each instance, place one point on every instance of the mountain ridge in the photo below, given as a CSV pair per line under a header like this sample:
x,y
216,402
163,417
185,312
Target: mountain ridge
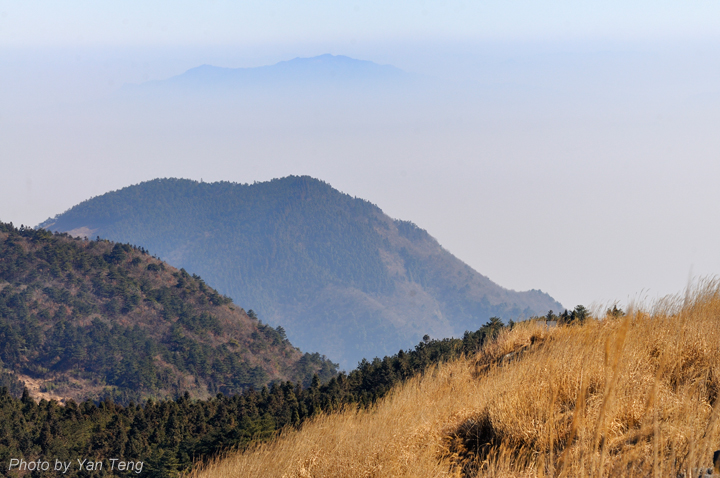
x,y
335,271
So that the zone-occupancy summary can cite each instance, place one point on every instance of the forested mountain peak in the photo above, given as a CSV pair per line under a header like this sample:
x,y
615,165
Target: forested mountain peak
x,y
337,273
91,319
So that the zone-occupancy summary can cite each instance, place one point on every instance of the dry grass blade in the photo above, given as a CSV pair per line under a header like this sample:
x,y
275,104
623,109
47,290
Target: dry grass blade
x,y
578,416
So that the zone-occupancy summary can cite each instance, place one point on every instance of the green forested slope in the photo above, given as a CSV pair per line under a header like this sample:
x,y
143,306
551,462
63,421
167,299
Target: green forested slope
x,y
91,319
339,275
166,437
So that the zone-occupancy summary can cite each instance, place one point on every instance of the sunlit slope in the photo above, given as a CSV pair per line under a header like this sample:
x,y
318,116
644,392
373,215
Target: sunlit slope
x,y
94,319
621,396
339,275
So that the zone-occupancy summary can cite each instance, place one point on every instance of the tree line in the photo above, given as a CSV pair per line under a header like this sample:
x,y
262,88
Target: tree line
x,y
169,436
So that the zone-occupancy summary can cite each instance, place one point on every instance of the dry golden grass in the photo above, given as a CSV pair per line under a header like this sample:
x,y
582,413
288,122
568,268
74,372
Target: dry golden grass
x,y
628,396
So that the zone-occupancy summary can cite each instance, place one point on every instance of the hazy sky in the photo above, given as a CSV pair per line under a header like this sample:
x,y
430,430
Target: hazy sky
x,y
135,22
585,163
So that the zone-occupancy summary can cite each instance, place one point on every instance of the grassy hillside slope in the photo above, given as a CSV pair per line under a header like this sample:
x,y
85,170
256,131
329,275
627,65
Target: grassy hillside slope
x,y
337,273
90,319
633,395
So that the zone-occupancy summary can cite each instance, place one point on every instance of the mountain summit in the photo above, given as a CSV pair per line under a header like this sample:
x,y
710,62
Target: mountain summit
x,y
337,273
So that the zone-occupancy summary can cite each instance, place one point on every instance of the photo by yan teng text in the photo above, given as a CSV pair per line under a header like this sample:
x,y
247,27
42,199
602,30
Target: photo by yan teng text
x,y
112,464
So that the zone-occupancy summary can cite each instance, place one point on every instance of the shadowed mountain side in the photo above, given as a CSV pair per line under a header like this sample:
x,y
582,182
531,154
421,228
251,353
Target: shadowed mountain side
x,y
337,273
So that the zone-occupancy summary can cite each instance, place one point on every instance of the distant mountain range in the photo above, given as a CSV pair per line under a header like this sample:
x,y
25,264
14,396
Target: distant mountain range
x,y
94,319
338,274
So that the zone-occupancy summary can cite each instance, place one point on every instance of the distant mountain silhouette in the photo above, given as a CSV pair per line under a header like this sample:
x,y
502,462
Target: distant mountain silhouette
x,y
316,72
337,273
